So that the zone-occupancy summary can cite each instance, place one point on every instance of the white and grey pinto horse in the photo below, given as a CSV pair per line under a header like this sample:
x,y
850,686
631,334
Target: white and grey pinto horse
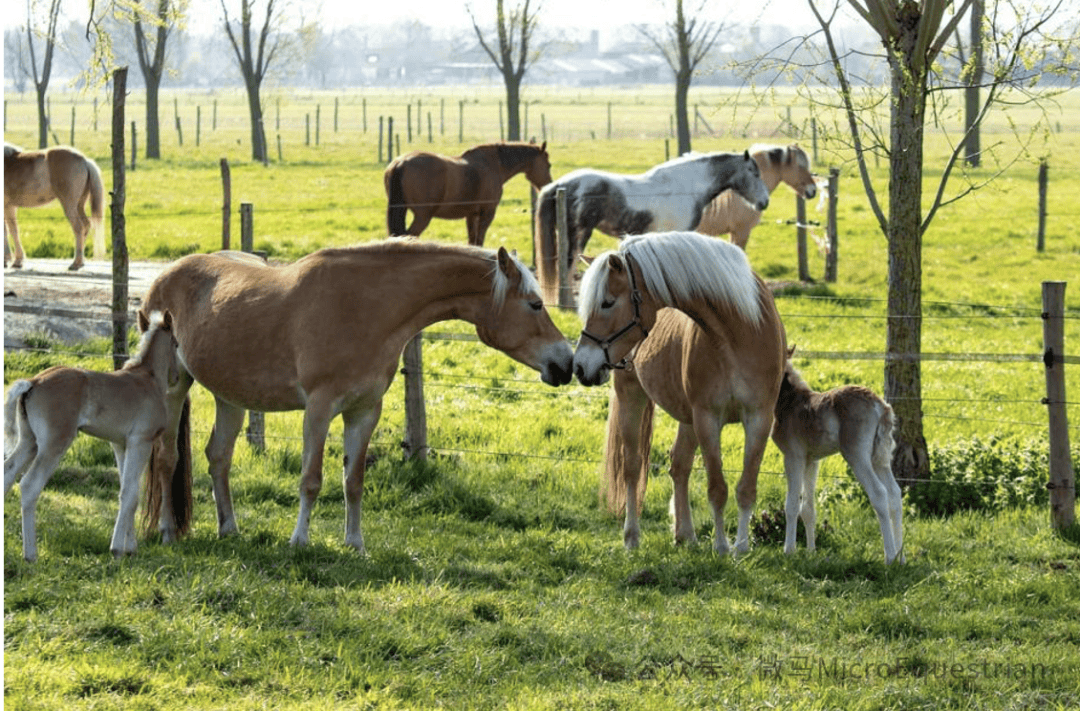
x,y
668,197
852,420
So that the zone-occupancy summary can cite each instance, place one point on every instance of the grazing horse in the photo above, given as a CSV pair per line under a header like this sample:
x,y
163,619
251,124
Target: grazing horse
x,y
851,420
728,213
36,178
324,335
686,325
669,196
125,407
468,186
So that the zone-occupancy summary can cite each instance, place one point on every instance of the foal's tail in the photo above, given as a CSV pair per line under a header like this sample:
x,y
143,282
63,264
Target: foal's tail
x,y
14,414
96,188
613,483
883,440
547,248
179,479
395,201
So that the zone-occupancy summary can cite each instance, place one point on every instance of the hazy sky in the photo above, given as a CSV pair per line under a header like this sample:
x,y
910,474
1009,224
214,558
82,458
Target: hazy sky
x,y
586,14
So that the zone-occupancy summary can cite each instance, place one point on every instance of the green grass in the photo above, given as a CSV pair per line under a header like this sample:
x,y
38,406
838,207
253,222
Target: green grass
x,y
493,578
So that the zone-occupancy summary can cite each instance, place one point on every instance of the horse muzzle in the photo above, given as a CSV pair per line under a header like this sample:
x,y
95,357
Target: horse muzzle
x,y
559,369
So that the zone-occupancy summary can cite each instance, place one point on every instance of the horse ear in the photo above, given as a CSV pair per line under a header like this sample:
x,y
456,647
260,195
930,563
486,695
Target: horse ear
x,y
144,321
506,264
615,264
586,259
746,154
543,147
791,351
166,320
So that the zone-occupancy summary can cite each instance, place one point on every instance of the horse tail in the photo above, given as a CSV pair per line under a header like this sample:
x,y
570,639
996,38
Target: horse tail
x,y
395,205
616,476
883,439
14,413
96,188
546,247
179,480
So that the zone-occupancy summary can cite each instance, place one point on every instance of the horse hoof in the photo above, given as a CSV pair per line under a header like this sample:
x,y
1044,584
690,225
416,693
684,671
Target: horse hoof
x,y
75,266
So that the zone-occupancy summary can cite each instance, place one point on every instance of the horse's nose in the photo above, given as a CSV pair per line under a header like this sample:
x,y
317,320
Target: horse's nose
x,y
811,191
763,204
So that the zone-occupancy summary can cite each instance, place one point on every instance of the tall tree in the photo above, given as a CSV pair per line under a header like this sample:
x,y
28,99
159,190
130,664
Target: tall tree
x,y
973,69
41,77
684,44
254,55
151,55
913,34
512,56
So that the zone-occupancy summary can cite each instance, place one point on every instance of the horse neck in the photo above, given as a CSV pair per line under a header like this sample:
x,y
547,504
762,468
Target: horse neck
x,y
794,394
771,174
512,160
155,362
446,286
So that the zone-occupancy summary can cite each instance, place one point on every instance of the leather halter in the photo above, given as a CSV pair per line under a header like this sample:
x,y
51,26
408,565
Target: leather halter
x,y
605,343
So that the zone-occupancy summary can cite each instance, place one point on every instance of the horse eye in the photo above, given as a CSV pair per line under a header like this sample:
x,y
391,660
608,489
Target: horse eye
x,y
536,305
607,303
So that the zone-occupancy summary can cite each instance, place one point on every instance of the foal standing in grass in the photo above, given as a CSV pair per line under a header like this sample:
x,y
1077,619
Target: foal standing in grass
x,y
125,407
852,420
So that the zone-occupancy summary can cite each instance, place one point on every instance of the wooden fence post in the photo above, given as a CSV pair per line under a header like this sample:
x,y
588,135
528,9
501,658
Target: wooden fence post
x,y
389,139
226,204
134,145
800,237
381,140
562,230
834,241
119,237
415,443
1041,241
1062,484
256,430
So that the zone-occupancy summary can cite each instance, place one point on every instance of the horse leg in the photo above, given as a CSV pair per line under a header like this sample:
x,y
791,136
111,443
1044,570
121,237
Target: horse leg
x,y
795,465
707,429
168,455
682,459
626,451
134,456
809,504
857,455
228,422
478,224
896,509
80,226
357,435
18,461
756,427
421,219
317,416
52,443
11,227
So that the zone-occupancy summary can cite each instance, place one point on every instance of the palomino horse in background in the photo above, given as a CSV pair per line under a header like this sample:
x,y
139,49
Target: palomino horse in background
x,y
468,186
715,355
851,420
125,407
669,196
730,213
324,335
35,178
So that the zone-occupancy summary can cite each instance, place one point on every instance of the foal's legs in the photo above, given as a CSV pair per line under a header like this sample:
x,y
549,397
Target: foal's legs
x,y
219,453
357,435
52,442
896,506
795,466
859,460
133,457
808,514
682,460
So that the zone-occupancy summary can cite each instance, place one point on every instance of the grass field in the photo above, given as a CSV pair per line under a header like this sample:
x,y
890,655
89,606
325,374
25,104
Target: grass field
x,y
493,579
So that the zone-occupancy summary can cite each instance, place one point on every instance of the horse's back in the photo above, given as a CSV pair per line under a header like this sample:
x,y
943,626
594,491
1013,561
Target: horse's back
x,y
727,213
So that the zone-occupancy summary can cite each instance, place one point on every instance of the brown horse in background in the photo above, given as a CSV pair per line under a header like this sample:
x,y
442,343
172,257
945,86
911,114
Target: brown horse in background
x,y
730,213
36,178
325,335
684,324
469,186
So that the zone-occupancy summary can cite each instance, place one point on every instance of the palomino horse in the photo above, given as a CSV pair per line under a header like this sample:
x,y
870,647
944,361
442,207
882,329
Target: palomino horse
x,y
468,186
729,213
669,196
36,178
851,420
324,335
715,356
125,407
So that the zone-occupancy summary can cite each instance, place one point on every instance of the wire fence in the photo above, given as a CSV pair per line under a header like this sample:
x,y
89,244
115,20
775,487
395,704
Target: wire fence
x,y
445,380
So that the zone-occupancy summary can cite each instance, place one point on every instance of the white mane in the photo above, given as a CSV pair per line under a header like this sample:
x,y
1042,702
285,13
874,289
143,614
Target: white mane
x,y
678,267
500,284
157,319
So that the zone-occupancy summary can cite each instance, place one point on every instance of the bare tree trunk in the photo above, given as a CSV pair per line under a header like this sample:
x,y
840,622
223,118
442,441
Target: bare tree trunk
x,y
903,372
153,131
258,135
682,116
513,107
972,103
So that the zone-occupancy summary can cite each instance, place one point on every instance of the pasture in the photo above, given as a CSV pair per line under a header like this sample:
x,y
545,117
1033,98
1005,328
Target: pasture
x,y
494,579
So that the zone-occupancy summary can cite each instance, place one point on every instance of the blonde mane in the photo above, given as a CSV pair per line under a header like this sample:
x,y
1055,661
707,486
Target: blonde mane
x,y
679,267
